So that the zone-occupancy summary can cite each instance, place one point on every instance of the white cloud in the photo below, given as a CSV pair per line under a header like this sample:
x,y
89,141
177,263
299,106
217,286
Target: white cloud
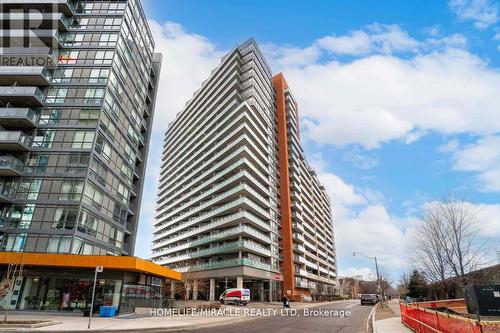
x,y
483,13
360,159
342,194
368,274
363,224
378,98
449,147
487,217
434,30
374,232
378,38
482,157
187,61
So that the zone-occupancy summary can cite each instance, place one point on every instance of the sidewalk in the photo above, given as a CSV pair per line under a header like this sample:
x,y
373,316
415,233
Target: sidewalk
x,y
134,323
388,323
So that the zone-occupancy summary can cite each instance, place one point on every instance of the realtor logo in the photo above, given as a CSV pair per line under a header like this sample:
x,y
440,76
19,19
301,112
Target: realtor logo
x,y
30,36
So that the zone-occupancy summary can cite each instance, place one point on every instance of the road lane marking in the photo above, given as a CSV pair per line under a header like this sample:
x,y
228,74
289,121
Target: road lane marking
x,y
372,317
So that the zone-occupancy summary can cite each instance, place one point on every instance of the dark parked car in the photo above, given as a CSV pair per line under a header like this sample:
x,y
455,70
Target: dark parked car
x,y
369,299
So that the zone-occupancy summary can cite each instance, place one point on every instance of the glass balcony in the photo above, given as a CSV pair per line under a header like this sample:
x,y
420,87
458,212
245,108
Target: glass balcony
x,y
14,141
7,193
47,21
38,38
68,7
225,248
24,75
19,117
218,236
21,96
10,166
224,264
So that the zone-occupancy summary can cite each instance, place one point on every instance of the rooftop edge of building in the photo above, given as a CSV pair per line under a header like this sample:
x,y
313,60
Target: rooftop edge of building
x,y
251,42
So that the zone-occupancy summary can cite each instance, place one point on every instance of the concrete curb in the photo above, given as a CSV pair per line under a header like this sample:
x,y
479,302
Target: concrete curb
x,y
372,317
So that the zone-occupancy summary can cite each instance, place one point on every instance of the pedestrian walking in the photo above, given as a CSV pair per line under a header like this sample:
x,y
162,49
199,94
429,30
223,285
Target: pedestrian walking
x,y
286,302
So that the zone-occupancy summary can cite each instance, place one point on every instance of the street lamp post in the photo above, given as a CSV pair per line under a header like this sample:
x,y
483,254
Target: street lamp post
x,y
379,286
98,269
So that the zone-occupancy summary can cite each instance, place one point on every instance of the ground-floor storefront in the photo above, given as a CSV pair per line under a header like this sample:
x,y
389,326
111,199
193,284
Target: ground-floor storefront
x,y
265,286
53,282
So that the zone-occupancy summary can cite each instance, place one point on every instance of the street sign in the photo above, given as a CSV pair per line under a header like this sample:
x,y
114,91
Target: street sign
x,y
99,269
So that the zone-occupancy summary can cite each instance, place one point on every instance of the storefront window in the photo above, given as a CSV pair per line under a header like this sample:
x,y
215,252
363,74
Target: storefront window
x,y
59,294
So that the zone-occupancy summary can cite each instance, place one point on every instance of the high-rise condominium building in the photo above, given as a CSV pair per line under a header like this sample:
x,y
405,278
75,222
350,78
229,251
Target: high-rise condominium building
x,y
77,89
238,204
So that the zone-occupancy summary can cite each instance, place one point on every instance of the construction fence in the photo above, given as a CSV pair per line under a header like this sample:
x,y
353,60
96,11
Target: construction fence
x,y
422,317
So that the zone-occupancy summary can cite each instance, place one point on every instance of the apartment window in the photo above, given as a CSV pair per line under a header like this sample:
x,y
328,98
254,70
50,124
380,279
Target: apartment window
x,y
65,218
68,57
94,195
103,148
51,118
14,242
107,125
83,140
44,138
88,116
77,163
87,223
62,75
80,247
37,163
29,189
71,190
93,95
58,244
98,75
56,95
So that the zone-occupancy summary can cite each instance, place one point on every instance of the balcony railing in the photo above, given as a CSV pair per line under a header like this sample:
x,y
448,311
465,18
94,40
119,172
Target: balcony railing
x,y
224,264
14,141
245,244
19,117
10,166
21,96
244,229
255,221
68,7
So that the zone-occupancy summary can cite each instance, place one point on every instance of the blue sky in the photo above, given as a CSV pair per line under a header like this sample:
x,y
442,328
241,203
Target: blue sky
x,y
398,101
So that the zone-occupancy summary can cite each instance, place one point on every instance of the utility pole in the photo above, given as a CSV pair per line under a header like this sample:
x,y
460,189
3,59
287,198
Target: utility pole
x,y
379,282
98,269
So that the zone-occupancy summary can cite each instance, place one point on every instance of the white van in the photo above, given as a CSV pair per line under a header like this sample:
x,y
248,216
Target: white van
x,y
235,296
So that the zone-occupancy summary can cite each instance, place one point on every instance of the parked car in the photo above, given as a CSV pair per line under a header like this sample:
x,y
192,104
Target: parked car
x,y
369,299
235,296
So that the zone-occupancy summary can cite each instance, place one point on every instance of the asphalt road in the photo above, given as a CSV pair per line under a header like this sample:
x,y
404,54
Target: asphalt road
x,y
303,322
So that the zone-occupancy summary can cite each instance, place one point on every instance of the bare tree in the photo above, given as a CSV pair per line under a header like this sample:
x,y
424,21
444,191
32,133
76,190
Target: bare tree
x,y
428,251
385,283
14,273
405,280
447,243
459,237
187,286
